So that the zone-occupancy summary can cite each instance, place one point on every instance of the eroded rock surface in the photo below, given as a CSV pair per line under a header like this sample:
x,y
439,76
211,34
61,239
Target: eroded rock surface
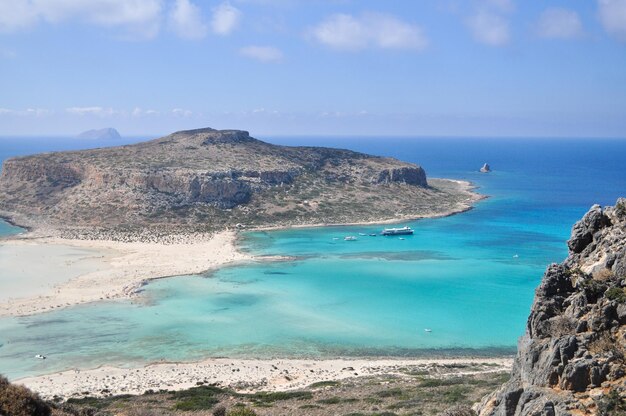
x,y
571,361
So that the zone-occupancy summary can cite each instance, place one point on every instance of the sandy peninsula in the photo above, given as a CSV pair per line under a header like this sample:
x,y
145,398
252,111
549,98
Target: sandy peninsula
x,y
53,272
245,375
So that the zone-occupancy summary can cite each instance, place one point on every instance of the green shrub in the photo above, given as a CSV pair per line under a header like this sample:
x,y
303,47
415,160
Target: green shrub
x,y
616,293
196,403
389,393
620,208
330,400
241,411
319,384
19,401
612,404
196,398
266,397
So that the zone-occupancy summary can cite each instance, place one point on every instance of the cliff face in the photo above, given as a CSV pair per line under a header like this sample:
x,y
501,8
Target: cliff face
x,y
571,361
207,179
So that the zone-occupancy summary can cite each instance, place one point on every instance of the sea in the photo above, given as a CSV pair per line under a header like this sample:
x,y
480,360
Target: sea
x,y
460,286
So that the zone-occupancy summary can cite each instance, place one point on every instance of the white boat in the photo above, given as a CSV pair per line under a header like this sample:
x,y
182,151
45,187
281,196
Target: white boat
x,y
363,234
428,330
398,231
41,357
350,238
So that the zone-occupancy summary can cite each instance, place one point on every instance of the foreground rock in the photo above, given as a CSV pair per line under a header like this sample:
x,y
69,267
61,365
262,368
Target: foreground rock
x,y
572,358
206,180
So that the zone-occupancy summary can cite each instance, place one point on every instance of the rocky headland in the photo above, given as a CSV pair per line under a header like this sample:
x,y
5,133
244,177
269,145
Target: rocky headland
x,y
208,180
572,359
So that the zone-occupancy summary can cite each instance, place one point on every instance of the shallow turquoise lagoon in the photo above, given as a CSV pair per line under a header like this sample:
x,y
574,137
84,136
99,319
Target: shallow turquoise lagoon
x,y
370,297
469,278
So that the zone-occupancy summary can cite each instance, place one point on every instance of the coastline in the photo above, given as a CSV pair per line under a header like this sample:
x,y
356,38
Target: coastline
x,y
466,186
245,375
127,266
130,264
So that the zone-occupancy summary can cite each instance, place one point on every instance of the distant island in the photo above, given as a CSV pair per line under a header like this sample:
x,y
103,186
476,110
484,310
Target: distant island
x,y
209,180
100,134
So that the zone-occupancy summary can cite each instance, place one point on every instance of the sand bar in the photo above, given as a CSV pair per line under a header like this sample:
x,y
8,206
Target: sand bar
x,y
82,271
243,375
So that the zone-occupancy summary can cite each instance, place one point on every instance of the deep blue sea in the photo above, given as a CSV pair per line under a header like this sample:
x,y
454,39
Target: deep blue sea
x,y
469,278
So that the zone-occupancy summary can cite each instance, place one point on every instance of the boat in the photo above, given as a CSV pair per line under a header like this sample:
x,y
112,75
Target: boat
x,y
401,238
372,235
363,234
398,231
428,330
41,357
350,238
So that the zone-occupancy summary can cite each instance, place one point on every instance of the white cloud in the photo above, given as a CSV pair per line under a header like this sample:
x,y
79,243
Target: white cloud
x,y
91,111
16,15
558,23
225,19
32,112
354,33
139,112
140,18
489,28
186,20
179,112
612,15
262,53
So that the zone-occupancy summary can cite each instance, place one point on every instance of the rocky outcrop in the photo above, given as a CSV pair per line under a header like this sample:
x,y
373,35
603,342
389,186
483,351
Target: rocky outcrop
x,y
409,175
572,358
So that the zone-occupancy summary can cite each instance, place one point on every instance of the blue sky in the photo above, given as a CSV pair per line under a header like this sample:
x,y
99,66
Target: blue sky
x,y
313,67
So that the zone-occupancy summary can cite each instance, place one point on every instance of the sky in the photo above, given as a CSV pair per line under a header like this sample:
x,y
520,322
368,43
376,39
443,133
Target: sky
x,y
501,68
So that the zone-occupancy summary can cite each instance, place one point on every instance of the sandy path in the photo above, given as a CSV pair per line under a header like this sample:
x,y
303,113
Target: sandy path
x,y
121,268
242,375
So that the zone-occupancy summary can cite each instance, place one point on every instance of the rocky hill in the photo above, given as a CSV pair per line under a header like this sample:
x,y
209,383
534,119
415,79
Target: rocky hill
x,y
108,133
572,359
204,180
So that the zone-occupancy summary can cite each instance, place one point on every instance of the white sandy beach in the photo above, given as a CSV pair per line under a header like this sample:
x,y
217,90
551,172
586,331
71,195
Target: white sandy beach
x,y
243,375
40,274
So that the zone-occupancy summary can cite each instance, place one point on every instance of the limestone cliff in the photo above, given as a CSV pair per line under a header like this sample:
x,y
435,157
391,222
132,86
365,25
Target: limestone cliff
x,y
205,179
571,361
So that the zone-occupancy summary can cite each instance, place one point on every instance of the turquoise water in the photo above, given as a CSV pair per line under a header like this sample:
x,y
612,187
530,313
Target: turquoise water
x,y
469,277
8,229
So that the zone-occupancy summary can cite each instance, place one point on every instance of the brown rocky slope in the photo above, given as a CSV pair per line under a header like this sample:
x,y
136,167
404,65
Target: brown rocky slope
x,y
572,359
205,180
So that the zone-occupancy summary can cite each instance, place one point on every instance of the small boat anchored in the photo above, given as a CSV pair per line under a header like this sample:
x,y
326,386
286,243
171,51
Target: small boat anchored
x,y
350,238
41,357
398,231
428,330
